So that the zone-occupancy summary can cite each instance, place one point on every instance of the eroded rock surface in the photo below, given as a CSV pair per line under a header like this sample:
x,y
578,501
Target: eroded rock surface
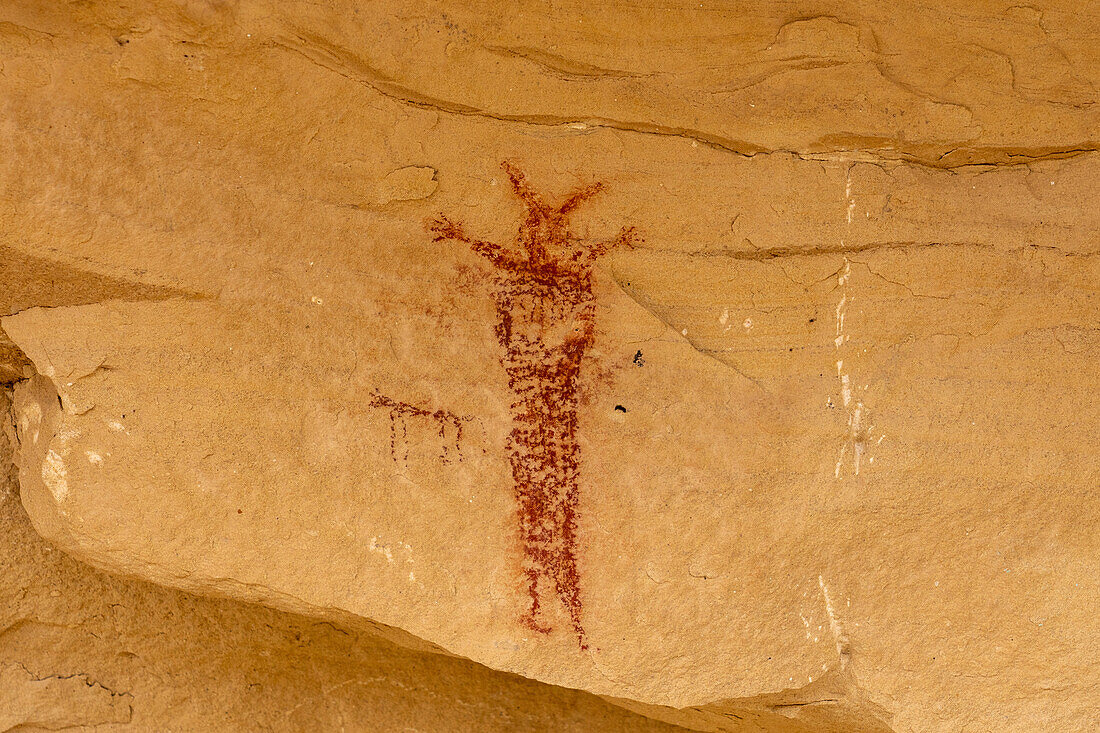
x,y
810,448
82,649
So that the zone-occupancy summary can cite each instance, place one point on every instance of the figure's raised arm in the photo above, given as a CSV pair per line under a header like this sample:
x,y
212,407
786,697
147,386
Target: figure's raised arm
x,y
444,229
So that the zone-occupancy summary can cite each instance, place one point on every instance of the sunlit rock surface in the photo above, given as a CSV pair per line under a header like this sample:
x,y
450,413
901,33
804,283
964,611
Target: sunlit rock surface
x,y
736,364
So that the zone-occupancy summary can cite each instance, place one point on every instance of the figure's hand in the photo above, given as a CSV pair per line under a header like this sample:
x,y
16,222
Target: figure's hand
x,y
628,238
443,229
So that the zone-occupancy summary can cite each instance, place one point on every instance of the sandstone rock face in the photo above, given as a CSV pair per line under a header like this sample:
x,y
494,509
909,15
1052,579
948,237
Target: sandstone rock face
x,y
734,364
82,649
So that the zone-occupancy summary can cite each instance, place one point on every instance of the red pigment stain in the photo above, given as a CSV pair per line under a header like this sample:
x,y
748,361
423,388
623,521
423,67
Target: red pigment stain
x,y
546,322
400,412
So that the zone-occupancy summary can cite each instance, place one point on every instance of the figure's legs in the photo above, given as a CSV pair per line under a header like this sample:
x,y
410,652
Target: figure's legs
x,y
546,490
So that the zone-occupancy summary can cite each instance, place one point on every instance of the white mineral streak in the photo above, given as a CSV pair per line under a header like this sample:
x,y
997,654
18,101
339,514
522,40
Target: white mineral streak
x,y
858,424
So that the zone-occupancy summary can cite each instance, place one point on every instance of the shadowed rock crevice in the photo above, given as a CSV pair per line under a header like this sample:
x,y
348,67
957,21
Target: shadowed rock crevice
x,y
33,281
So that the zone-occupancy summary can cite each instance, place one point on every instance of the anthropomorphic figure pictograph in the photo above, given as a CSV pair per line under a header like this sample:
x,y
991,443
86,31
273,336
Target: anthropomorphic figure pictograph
x,y
546,314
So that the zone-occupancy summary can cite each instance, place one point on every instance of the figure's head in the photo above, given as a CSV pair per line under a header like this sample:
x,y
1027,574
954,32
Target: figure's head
x,y
544,234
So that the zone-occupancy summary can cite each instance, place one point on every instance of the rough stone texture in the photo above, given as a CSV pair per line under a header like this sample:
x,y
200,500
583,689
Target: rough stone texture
x,y
832,464
82,650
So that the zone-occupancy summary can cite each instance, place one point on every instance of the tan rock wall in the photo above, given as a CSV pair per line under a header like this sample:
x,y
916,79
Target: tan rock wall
x,y
80,649
835,420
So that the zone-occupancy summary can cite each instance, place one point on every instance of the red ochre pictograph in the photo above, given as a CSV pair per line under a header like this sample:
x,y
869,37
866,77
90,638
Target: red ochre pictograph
x,y
400,414
546,314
